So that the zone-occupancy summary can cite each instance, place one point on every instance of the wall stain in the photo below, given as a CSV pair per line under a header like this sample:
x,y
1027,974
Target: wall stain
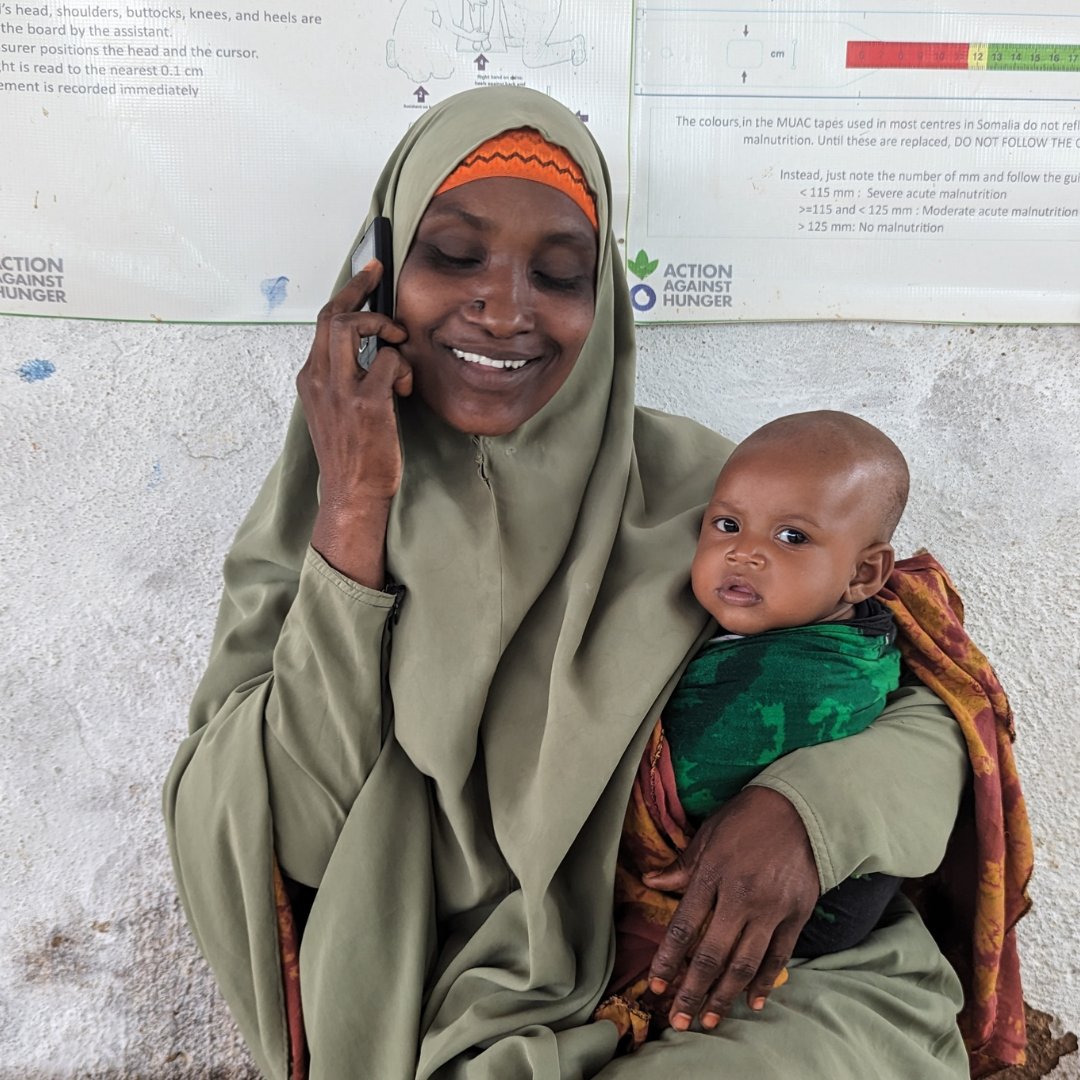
x,y
1044,1050
36,370
274,289
57,956
158,581
217,445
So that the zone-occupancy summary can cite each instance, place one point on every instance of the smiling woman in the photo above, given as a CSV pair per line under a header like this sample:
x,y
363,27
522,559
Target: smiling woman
x,y
450,622
510,295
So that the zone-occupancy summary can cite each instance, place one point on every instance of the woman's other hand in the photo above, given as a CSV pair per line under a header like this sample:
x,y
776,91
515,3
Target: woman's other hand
x,y
751,870
353,426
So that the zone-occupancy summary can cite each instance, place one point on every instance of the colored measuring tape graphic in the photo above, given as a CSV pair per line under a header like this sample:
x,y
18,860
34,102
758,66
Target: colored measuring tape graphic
x,y
996,56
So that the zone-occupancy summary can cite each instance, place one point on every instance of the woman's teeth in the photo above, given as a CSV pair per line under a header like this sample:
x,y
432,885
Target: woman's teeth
x,y
476,358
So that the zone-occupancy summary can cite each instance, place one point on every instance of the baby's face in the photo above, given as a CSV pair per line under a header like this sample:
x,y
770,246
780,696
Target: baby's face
x,y
780,542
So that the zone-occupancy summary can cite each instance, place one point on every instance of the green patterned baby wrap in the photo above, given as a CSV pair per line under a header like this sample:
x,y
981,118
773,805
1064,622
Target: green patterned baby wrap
x,y
745,701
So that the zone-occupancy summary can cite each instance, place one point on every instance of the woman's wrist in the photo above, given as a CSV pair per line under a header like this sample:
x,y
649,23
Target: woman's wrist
x,y
351,537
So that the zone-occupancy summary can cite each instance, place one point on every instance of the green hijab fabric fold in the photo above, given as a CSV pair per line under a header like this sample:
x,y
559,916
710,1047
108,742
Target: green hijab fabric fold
x,y
462,926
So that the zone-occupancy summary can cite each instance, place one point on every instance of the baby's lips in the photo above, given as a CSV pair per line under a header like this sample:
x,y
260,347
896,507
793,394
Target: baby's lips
x,y
737,591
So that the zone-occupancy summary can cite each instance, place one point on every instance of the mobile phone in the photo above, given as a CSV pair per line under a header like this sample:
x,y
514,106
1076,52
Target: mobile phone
x,y
376,243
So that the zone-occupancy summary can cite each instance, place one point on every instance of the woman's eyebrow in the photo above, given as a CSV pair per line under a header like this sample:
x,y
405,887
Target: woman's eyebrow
x,y
450,210
581,238
573,238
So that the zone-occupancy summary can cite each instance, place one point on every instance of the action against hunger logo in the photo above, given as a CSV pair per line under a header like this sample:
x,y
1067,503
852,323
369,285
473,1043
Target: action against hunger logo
x,y
642,296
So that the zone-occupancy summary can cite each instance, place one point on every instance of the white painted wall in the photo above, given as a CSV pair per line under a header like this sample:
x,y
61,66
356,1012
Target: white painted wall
x,y
126,470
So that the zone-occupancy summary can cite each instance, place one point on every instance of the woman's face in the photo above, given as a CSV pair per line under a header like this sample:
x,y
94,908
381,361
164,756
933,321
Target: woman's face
x,y
497,294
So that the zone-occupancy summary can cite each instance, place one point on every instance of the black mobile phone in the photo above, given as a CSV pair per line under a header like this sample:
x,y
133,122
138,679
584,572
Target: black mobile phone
x,y
376,243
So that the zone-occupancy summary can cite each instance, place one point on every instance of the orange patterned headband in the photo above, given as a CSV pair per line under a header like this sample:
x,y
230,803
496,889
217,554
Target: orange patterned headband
x,y
526,155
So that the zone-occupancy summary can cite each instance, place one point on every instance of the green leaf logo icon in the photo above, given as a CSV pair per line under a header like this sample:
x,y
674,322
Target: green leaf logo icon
x,y
641,265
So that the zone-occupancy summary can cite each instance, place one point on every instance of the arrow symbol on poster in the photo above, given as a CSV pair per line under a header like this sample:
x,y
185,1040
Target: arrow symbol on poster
x,y
582,116
481,62
744,77
745,30
421,94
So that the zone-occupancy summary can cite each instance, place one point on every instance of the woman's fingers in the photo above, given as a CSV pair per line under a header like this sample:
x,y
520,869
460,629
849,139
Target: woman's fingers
x,y
745,961
732,957
750,884
725,960
690,916
389,375
332,372
350,412
773,963
755,965
350,298
346,332
352,295
711,961
673,878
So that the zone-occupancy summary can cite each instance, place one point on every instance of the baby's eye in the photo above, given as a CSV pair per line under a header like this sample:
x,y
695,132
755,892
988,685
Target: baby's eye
x,y
792,536
726,524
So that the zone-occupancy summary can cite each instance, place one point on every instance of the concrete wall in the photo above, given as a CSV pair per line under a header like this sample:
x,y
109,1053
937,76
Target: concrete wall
x,y
129,453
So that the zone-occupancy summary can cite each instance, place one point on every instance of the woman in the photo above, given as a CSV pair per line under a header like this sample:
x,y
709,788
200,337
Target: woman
x,y
449,766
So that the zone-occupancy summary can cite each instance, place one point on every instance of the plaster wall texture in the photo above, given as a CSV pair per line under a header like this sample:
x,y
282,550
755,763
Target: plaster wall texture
x,y
130,453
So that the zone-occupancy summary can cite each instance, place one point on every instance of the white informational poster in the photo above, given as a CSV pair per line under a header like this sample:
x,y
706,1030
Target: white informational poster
x,y
212,160
775,160
840,161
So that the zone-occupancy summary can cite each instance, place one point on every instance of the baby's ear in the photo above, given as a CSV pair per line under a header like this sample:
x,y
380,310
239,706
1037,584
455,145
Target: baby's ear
x,y
871,572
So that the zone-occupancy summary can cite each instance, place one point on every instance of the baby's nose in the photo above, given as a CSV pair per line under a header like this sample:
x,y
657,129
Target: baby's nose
x,y
743,556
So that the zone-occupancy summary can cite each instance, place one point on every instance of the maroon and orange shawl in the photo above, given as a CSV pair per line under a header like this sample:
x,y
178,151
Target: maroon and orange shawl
x,y
971,903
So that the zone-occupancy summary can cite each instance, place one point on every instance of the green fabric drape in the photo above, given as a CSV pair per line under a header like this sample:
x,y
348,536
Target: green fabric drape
x,y
454,782
742,702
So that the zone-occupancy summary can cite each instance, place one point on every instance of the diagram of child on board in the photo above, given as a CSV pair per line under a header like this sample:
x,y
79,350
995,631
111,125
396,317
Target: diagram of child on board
x,y
429,35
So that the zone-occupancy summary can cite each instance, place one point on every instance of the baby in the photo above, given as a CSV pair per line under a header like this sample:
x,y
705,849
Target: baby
x,y
794,545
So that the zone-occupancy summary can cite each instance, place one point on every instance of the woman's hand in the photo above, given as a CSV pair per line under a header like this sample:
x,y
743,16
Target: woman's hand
x,y
751,869
350,415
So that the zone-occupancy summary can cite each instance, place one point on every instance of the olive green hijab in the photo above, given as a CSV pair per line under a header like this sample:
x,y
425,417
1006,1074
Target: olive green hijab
x,y
462,926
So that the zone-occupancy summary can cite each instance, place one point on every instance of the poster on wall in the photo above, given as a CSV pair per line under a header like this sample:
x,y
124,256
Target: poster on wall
x,y
834,161
212,160
788,159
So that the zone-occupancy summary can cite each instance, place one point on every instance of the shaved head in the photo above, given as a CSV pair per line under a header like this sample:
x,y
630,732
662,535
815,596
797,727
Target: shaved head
x,y
838,442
